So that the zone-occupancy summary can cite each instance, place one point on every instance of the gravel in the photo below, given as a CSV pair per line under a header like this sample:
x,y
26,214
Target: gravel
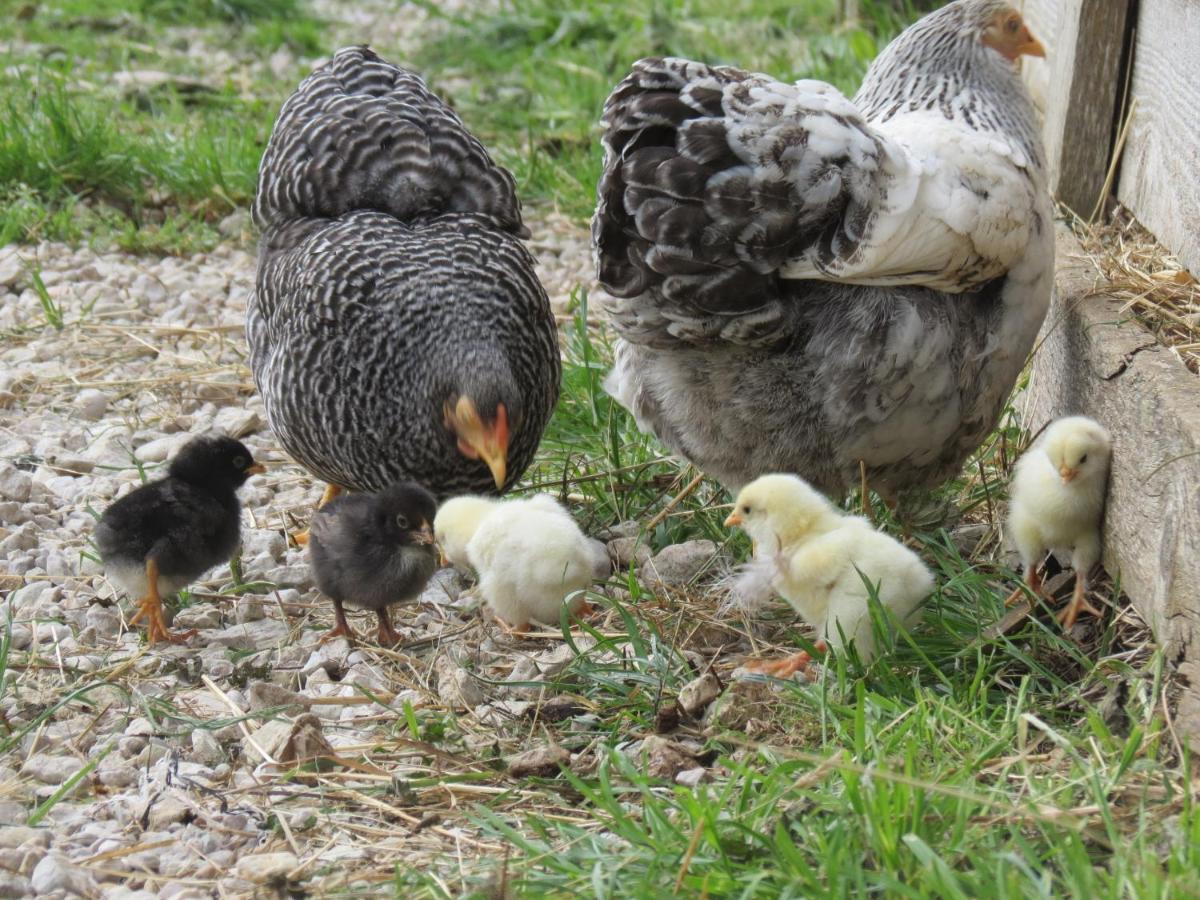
x,y
176,794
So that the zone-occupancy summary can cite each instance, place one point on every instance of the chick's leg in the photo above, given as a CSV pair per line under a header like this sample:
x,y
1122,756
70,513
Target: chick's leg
x,y
1033,579
342,628
388,636
1078,603
150,608
331,492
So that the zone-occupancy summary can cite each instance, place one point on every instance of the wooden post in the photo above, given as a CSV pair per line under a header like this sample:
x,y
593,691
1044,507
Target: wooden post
x,y
1160,169
1078,87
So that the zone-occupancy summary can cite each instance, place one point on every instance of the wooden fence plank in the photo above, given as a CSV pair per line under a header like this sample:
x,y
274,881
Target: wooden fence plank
x,y
1160,170
1077,88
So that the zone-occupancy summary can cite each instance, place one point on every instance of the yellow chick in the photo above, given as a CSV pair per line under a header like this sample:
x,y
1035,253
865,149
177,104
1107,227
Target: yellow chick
x,y
817,554
529,555
1057,503
455,524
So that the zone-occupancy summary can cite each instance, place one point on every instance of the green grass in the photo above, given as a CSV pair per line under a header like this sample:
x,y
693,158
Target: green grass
x,y
531,77
148,169
954,765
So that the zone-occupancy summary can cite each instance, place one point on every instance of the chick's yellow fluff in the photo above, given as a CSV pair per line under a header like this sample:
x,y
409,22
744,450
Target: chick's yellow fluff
x,y
455,524
529,554
820,557
1058,493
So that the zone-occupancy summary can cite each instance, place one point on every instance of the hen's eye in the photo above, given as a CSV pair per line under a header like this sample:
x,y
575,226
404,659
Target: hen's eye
x,y
239,462
402,521
1083,459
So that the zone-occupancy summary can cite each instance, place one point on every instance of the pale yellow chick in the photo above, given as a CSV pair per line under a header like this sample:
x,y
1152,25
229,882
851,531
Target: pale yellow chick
x,y
1057,503
529,555
817,553
455,524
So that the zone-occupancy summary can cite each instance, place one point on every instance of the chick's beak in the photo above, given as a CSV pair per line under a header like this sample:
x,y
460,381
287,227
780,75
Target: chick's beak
x,y
424,535
1068,474
443,561
480,440
256,469
733,519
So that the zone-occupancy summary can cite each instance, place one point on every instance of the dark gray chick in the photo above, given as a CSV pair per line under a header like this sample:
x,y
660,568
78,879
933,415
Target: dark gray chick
x,y
397,330
164,535
370,551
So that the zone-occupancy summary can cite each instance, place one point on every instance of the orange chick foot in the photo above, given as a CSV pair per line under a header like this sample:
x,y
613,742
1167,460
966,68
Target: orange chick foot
x,y
1076,605
512,630
781,668
156,626
339,630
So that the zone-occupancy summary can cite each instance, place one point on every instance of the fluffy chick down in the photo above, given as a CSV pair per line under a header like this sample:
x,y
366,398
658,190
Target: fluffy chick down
x,y
819,560
1058,493
529,554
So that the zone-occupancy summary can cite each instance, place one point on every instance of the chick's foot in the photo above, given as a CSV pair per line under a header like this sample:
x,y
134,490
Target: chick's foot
x,y
151,610
388,636
781,668
1076,605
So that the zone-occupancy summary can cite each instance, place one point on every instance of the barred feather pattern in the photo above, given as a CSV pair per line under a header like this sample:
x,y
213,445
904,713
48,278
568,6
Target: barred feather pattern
x,y
804,281
390,275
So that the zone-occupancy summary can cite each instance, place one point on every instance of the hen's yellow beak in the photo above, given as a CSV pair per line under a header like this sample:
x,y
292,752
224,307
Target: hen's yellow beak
x,y
1009,36
1068,474
733,519
478,439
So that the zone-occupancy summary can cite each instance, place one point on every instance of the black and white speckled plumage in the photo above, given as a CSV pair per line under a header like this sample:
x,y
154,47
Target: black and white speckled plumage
x,y
391,277
805,281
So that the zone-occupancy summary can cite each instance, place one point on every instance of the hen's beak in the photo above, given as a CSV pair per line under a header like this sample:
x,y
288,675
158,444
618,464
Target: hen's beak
x,y
733,519
478,439
424,535
1068,474
1012,45
256,469
1029,45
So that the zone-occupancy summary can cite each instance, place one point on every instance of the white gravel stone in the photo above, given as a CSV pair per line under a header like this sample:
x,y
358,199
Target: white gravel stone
x,y
14,484
51,769
56,873
680,563
91,404
262,868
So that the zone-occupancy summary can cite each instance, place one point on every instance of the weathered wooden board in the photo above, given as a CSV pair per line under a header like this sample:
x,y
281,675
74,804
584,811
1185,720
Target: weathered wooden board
x,y
1077,88
1092,359
1160,170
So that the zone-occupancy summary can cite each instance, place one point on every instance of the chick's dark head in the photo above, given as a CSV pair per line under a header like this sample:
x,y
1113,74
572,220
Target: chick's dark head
x,y
214,462
481,415
404,514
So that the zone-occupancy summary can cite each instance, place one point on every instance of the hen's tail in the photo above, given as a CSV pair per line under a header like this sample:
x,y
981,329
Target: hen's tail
x,y
363,134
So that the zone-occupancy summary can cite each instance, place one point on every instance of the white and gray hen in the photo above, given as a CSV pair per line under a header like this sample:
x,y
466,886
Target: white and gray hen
x,y
806,282
398,330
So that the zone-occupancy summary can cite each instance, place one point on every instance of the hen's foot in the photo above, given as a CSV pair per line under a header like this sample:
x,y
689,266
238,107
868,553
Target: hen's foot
x,y
332,491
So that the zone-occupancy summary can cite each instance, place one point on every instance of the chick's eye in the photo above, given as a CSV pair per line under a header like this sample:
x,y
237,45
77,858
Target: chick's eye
x,y
746,510
1012,25
402,521
1083,459
239,462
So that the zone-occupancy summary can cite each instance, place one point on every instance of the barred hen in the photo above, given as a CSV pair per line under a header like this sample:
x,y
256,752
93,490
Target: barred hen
x,y
809,284
397,331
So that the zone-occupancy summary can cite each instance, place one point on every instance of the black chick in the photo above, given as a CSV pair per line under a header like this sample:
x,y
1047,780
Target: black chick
x,y
166,534
371,551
